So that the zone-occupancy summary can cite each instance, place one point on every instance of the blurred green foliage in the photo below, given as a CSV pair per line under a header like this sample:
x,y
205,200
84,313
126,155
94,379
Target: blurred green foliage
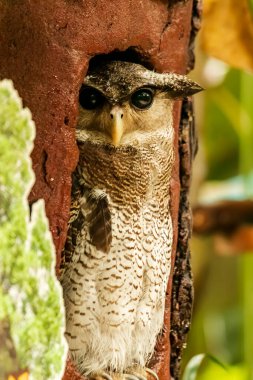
x,y
30,295
220,138
214,372
223,309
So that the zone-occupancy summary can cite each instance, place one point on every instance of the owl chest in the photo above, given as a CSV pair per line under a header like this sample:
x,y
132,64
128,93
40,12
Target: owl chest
x,y
128,176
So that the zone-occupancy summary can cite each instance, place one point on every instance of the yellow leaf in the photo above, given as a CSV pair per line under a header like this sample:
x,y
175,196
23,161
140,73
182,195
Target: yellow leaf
x,y
227,32
23,376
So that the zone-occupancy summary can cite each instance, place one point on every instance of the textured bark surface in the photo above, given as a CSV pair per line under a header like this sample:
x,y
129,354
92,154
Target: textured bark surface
x,y
45,48
182,286
182,289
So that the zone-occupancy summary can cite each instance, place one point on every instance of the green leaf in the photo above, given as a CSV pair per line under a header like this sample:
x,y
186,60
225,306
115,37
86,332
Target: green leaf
x,y
194,364
214,360
192,367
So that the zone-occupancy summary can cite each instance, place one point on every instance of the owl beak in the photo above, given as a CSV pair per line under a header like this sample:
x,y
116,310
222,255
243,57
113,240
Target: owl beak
x,y
116,131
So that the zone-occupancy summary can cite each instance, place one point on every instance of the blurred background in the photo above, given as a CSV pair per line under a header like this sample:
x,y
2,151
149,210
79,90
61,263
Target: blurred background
x,y
222,193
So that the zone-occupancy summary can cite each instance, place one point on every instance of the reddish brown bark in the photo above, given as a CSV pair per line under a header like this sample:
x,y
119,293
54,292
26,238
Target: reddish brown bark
x,y
45,48
229,222
222,217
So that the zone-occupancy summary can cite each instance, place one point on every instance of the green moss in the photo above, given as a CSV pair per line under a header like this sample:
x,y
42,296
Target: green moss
x,y
30,295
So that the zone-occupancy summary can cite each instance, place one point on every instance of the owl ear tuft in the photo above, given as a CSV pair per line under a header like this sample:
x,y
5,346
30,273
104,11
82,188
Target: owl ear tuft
x,y
176,85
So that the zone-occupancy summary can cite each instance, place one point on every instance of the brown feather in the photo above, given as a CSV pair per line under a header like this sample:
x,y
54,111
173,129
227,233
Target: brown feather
x,y
75,224
100,222
96,214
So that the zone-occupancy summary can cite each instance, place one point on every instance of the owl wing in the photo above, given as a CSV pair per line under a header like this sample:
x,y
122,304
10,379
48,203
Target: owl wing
x,y
89,209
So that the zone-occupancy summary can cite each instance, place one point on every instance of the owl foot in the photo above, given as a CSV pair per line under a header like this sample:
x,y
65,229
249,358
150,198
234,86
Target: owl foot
x,y
139,373
131,376
152,373
100,376
113,376
135,373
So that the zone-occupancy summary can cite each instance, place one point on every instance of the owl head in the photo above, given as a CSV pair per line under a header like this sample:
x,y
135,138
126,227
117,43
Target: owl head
x,y
121,100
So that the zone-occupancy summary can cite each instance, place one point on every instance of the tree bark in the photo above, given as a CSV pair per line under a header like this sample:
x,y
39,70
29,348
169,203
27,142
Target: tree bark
x,y
45,49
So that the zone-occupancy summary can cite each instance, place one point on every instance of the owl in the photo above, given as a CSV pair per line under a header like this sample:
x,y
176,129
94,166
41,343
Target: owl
x,y
117,258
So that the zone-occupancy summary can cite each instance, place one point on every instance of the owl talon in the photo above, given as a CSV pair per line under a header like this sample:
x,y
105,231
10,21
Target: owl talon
x,y
130,376
139,373
100,376
139,376
106,376
152,373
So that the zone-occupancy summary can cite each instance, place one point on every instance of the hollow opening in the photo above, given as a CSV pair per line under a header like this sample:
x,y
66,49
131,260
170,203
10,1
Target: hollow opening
x,y
132,54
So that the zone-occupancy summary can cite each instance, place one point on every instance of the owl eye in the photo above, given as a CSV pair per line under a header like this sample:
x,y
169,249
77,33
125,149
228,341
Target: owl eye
x,y
90,98
142,98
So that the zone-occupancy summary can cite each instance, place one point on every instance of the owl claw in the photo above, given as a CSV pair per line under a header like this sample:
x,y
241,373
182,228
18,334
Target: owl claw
x,y
100,376
152,373
139,376
128,376
134,375
106,376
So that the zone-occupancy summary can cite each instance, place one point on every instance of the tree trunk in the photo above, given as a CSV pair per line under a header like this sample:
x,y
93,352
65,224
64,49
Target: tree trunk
x,y
45,49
